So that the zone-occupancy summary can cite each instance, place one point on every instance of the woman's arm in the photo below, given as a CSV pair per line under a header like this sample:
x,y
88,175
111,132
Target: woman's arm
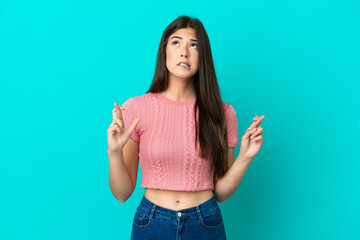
x,y
123,167
250,145
228,184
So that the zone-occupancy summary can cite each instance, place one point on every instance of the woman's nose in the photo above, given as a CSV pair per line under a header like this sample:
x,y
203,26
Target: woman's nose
x,y
184,52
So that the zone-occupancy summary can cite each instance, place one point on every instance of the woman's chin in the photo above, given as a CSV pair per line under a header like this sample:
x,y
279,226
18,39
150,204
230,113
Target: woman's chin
x,y
184,76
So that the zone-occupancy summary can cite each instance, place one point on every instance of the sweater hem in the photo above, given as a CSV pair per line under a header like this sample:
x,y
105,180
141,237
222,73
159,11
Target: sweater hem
x,y
178,188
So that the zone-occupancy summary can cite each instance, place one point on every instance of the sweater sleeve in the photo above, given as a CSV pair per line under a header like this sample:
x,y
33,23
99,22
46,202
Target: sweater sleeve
x,y
232,126
130,113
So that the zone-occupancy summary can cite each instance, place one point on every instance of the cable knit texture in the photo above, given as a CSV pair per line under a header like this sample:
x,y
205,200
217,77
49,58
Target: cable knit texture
x,y
166,137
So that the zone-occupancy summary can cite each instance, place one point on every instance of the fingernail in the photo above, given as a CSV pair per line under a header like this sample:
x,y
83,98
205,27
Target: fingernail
x,y
253,130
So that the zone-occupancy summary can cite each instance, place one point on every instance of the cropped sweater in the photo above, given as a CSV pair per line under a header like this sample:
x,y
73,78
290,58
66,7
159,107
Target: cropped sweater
x,y
166,137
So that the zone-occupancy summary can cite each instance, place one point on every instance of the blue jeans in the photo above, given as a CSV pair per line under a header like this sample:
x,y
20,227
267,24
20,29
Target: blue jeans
x,y
200,222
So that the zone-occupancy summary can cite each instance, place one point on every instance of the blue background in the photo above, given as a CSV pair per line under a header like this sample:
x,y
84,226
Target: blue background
x,y
63,64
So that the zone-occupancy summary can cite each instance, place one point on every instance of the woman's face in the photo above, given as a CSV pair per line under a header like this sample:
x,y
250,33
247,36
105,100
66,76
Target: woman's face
x,y
182,47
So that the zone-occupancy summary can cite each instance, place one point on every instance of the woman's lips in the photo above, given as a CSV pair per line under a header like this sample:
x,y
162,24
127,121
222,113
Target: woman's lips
x,y
184,66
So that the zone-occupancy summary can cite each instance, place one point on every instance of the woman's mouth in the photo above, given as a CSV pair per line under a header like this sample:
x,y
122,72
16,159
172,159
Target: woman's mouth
x,y
184,65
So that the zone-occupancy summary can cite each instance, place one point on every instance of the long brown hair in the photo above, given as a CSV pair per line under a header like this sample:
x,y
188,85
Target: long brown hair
x,y
211,127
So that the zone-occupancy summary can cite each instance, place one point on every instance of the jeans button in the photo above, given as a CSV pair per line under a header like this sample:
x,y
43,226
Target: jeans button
x,y
179,214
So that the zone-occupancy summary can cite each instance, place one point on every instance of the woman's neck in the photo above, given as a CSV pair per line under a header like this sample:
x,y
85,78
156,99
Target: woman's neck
x,y
180,91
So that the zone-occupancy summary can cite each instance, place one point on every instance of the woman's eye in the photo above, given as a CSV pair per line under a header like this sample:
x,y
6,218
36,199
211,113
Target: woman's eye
x,y
174,42
194,44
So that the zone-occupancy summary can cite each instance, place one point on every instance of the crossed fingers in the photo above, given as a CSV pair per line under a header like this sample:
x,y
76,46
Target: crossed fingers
x,y
117,115
256,124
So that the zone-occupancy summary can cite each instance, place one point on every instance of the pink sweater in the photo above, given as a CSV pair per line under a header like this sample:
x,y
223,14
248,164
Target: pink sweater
x,y
166,137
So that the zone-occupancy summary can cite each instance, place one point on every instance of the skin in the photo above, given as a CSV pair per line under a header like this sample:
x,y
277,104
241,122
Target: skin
x,y
181,88
181,84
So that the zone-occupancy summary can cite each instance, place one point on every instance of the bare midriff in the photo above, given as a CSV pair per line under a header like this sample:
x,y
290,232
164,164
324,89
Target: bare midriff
x,y
177,200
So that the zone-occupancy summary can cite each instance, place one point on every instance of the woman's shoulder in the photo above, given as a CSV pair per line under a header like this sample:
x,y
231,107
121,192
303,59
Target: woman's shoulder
x,y
227,106
140,99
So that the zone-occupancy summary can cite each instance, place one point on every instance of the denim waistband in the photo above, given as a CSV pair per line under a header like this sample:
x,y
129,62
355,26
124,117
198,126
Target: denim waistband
x,y
183,213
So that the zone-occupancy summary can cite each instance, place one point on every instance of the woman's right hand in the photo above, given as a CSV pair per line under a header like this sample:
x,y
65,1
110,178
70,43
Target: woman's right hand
x,y
117,134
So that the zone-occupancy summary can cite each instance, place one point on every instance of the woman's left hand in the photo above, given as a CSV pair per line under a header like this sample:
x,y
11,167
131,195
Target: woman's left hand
x,y
249,147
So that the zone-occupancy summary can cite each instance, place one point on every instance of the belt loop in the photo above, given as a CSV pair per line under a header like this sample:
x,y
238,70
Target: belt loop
x,y
152,211
198,212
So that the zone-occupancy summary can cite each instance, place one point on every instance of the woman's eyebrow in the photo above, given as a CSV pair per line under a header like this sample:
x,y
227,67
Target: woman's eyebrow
x,y
182,38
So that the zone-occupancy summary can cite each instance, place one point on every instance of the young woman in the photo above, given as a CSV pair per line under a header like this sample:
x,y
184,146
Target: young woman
x,y
185,136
